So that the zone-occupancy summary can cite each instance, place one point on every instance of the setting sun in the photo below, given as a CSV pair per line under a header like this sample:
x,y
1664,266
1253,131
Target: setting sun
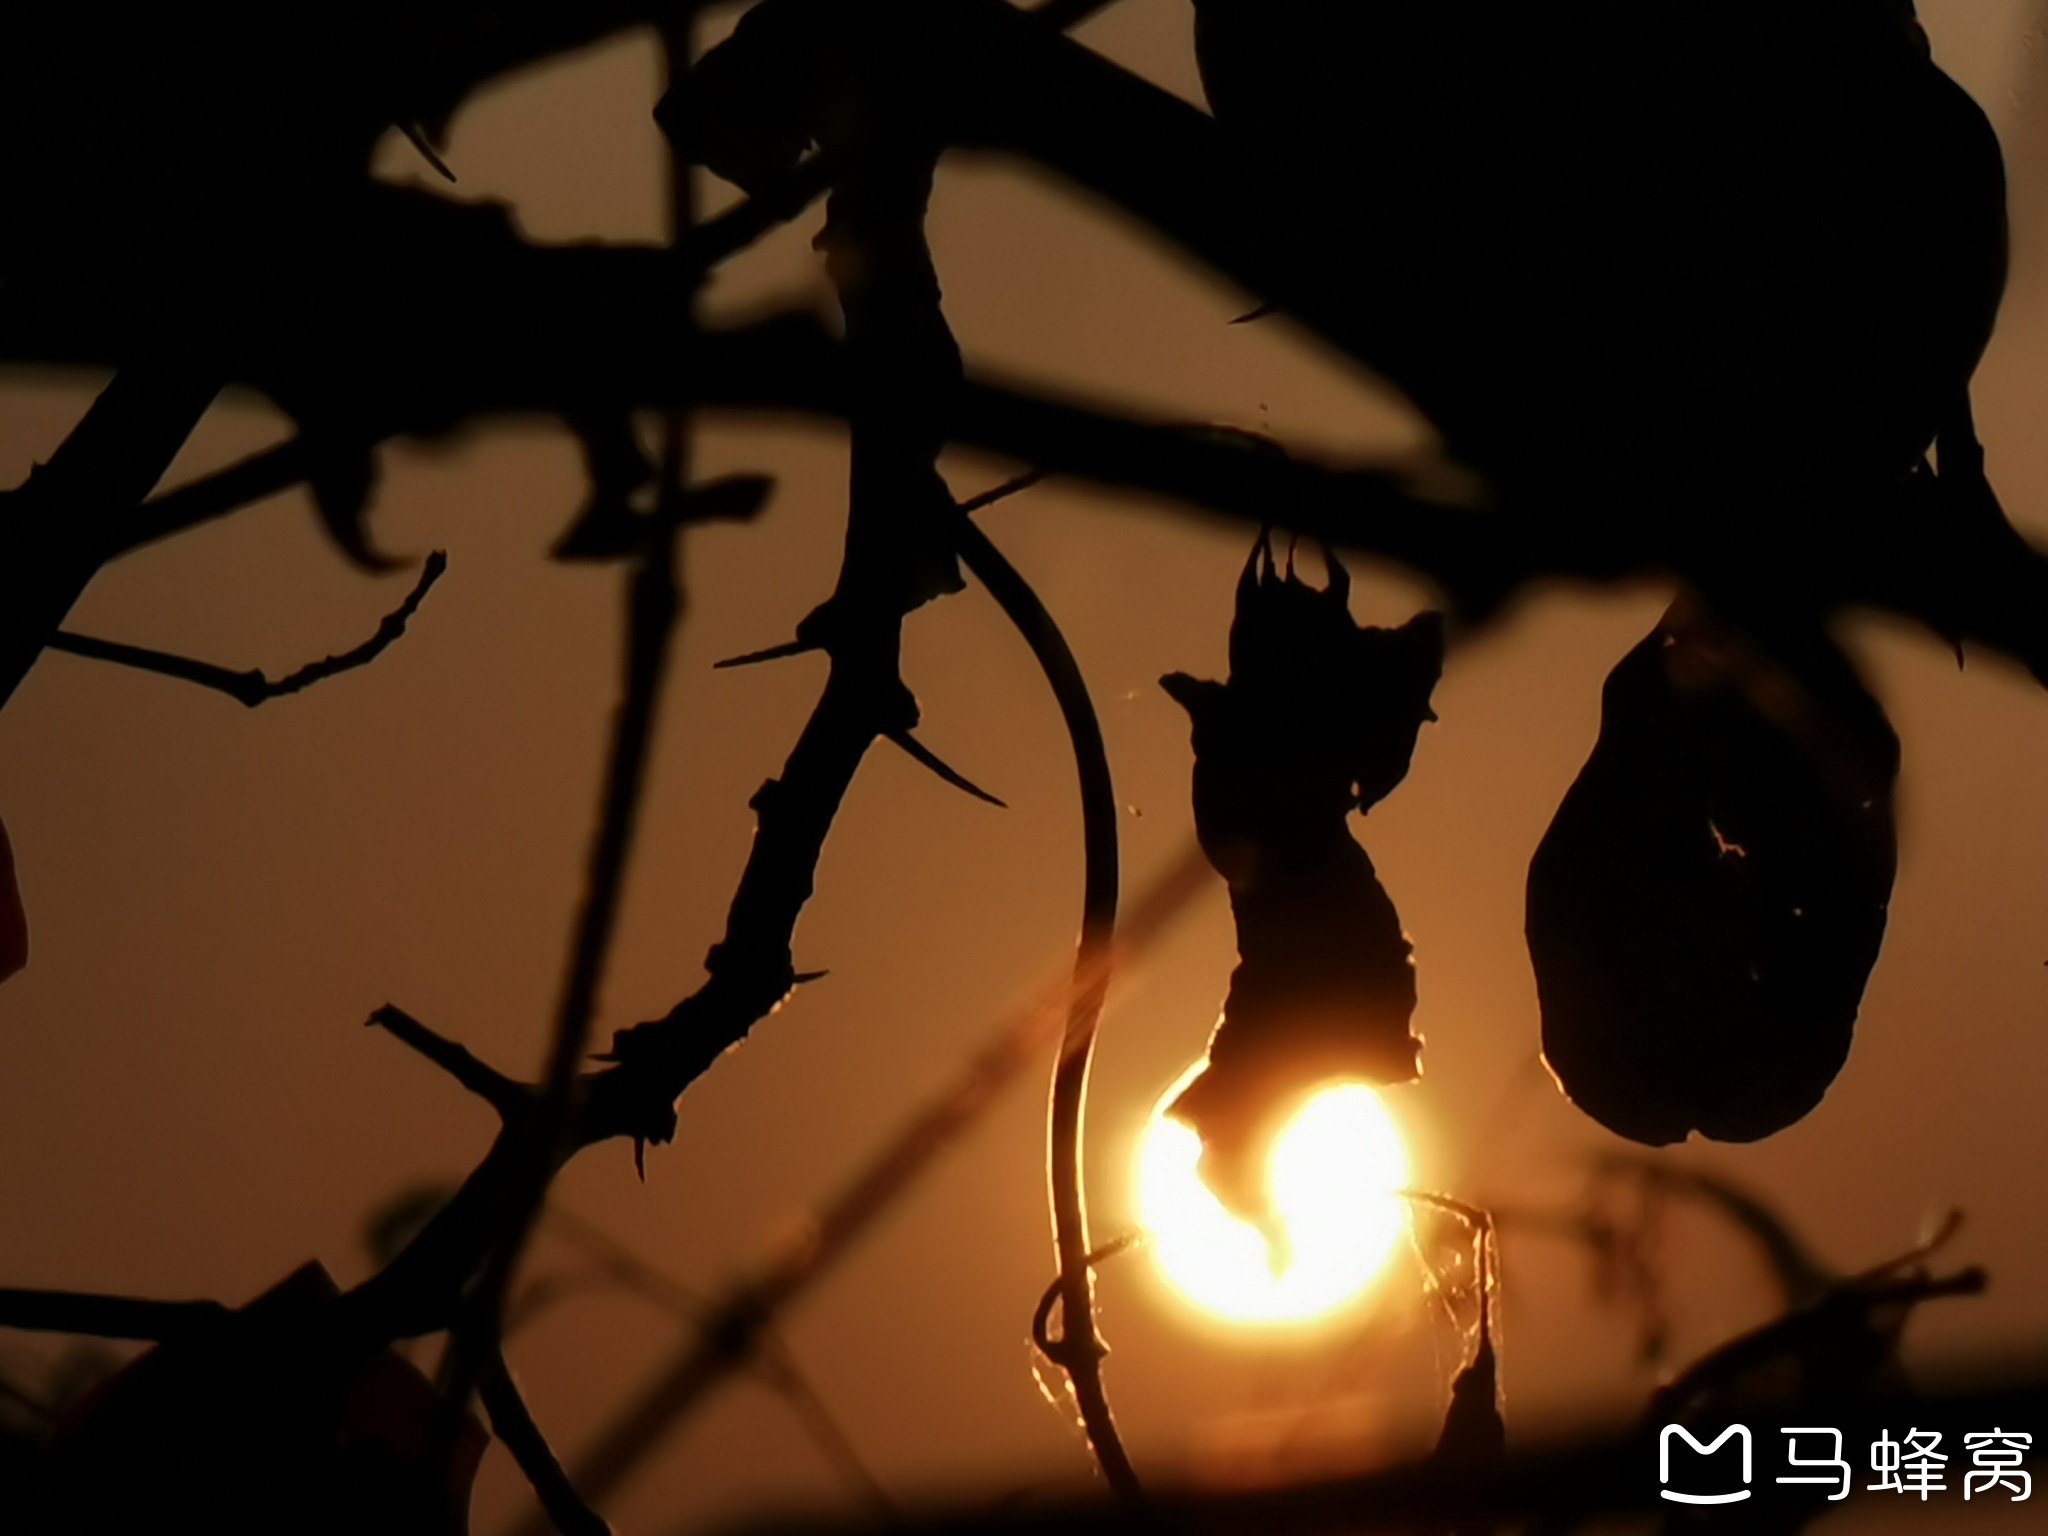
x,y
1335,1170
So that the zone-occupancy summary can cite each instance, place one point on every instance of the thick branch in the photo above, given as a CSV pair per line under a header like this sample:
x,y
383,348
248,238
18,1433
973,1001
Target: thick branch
x,y
788,365
107,1317
1986,586
509,1098
57,530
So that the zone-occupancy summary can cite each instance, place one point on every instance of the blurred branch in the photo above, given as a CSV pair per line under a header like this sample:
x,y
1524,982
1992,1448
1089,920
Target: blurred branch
x,y
1801,1278
776,1365
787,198
252,688
1389,506
26,1401
824,1428
1836,1335
107,1317
540,1148
1905,558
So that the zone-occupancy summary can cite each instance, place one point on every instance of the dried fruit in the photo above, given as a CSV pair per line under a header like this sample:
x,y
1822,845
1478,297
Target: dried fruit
x,y
1709,900
1318,719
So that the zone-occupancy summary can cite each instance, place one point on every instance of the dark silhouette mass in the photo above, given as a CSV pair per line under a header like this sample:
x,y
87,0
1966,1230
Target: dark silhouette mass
x,y
1318,719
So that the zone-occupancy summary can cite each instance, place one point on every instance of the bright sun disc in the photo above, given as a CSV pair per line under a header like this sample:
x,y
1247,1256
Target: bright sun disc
x,y
1335,1169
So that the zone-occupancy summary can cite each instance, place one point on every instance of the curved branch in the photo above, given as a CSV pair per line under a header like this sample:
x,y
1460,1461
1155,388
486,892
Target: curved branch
x,y
1048,1303
1080,1349
513,1423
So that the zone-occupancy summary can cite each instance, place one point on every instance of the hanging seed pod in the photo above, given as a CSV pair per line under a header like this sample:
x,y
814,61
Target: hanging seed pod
x,y
1709,900
1318,719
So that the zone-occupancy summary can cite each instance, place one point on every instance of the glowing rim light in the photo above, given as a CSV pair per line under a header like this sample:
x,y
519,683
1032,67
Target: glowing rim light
x,y
1334,1171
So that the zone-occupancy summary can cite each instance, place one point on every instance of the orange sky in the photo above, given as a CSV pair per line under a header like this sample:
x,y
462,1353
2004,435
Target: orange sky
x,y
189,1106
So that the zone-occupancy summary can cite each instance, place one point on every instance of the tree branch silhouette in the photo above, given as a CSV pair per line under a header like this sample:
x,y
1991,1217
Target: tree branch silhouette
x,y
736,1322
1079,1350
512,1422
252,688
58,528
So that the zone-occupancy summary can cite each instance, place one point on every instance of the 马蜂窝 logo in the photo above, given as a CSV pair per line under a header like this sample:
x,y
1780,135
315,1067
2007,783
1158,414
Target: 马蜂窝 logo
x,y
1733,1431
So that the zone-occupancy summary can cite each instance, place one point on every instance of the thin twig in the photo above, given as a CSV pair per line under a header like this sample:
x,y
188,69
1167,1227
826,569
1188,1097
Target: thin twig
x,y
507,1097
260,476
1476,1217
252,688
513,1423
653,613
1048,1303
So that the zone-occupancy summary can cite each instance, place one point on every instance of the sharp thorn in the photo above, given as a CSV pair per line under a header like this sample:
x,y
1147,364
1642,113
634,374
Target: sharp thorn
x,y
1251,315
417,137
773,653
1007,489
1337,577
805,978
924,755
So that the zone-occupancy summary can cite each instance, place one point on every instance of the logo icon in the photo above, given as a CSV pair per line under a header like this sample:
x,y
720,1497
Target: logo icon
x,y
1733,1431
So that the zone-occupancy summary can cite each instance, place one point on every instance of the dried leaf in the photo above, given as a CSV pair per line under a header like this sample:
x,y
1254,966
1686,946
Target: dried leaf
x,y
1709,900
